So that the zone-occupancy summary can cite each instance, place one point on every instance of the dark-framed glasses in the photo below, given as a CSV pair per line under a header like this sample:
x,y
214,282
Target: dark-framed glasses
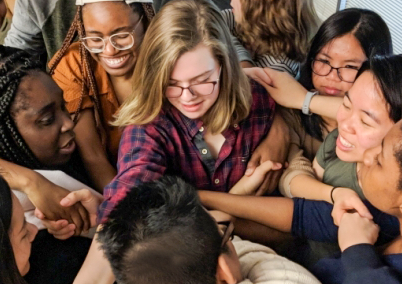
x,y
227,228
120,41
200,89
323,68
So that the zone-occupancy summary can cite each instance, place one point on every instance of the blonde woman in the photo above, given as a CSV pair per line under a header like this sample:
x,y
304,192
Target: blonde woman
x,y
193,112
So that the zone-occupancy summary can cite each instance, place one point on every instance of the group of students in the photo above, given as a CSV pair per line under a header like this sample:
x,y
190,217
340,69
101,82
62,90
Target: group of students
x,y
155,111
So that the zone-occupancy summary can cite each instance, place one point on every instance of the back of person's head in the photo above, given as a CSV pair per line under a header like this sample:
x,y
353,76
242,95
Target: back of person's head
x,y
180,27
9,273
278,28
15,65
160,233
387,72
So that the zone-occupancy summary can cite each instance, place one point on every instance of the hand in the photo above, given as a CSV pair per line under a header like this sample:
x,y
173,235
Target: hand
x,y
258,75
274,148
248,185
60,228
354,229
46,197
284,89
346,200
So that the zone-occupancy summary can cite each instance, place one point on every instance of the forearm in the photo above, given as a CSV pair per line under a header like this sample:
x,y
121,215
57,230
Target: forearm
x,y
96,268
18,177
308,187
275,212
325,105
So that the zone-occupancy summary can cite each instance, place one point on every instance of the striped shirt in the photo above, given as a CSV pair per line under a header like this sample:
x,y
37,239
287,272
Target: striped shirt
x,y
282,63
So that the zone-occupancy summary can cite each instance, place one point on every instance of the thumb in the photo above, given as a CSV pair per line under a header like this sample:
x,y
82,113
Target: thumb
x,y
252,165
39,214
363,211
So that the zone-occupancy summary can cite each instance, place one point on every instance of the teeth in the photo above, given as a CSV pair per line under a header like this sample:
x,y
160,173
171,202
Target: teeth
x,y
115,61
345,143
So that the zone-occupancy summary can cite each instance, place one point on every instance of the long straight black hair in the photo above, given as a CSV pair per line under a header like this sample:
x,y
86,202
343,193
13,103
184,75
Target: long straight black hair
x,y
369,29
9,273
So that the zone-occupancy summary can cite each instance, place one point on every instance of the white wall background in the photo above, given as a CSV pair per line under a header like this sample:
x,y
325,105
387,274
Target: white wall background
x,y
389,10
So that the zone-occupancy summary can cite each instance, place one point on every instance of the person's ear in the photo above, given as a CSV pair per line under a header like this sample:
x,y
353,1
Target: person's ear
x,y
223,272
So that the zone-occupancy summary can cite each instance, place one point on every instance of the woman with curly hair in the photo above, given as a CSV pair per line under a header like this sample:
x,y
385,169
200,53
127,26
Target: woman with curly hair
x,y
275,33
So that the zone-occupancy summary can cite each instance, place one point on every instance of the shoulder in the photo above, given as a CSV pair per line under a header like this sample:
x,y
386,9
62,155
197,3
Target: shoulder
x,y
327,150
261,99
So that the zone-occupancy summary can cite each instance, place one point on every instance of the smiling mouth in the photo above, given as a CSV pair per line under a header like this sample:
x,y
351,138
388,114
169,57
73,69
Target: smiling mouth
x,y
115,62
345,143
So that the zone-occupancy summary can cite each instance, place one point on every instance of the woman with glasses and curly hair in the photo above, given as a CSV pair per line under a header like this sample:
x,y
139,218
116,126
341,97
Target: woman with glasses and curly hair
x,y
95,74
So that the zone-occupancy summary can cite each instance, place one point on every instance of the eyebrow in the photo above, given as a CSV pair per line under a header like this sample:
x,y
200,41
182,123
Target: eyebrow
x,y
323,53
120,29
196,77
46,108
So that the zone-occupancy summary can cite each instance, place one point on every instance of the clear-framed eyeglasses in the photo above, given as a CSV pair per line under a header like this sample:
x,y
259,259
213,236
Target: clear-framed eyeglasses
x,y
323,68
200,89
120,41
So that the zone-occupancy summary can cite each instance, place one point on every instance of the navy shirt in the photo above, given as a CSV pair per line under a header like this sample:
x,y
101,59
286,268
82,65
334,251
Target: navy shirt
x,y
357,264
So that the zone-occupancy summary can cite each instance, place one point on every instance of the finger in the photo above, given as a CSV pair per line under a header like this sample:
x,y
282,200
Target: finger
x,y
77,220
85,217
252,164
83,195
362,210
337,216
55,225
264,186
65,234
68,230
39,214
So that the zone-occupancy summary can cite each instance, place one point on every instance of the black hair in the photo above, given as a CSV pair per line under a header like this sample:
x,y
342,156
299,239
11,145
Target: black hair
x,y
160,233
145,10
387,71
369,29
15,64
398,157
9,273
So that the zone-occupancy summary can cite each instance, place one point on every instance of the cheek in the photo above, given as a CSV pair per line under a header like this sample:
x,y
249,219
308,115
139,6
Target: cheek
x,y
370,138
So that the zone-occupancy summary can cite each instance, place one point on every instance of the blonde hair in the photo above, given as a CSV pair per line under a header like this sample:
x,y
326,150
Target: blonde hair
x,y
178,28
278,27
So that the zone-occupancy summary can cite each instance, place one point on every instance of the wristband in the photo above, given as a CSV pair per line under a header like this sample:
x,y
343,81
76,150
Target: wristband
x,y
306,103
332,194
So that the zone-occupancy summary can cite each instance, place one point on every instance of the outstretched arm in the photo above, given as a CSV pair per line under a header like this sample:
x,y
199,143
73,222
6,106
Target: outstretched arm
x,y
275,212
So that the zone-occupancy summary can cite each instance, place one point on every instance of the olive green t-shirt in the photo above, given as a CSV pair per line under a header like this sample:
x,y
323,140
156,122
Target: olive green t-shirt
x,y
337,172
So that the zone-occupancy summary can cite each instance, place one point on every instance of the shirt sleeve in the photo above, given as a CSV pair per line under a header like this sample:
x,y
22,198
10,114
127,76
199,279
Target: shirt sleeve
x,y
312,220
26,28
363,265
141,158
327,149
242,52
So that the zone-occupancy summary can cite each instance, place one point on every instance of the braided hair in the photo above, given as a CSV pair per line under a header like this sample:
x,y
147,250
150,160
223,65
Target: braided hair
x,y
89,83
15,64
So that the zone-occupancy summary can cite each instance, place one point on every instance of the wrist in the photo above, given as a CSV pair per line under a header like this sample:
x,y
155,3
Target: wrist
x,y
332,198
306,103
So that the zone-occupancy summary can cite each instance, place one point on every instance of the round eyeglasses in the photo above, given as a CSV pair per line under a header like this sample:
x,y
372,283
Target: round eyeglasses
x,y
323,68
200,89
120,41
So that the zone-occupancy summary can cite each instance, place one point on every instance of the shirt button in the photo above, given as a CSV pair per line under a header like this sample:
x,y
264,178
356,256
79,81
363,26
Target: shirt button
x,y
201,129
204,151
216,181
236,126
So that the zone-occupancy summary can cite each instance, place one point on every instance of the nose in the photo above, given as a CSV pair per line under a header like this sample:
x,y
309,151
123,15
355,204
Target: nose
x,y
370,155
68,124
346,121
33,230
109,48
333,75
186,95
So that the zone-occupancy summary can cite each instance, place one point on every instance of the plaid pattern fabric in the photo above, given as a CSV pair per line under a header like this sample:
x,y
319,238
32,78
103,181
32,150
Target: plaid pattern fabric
x,y
172,144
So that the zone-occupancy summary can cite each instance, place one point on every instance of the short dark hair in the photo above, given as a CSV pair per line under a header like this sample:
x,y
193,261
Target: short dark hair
x,y
387,72
9,273
371,32
160,233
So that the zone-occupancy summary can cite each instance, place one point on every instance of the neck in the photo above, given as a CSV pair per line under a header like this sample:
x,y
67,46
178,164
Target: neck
x,y
122,87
